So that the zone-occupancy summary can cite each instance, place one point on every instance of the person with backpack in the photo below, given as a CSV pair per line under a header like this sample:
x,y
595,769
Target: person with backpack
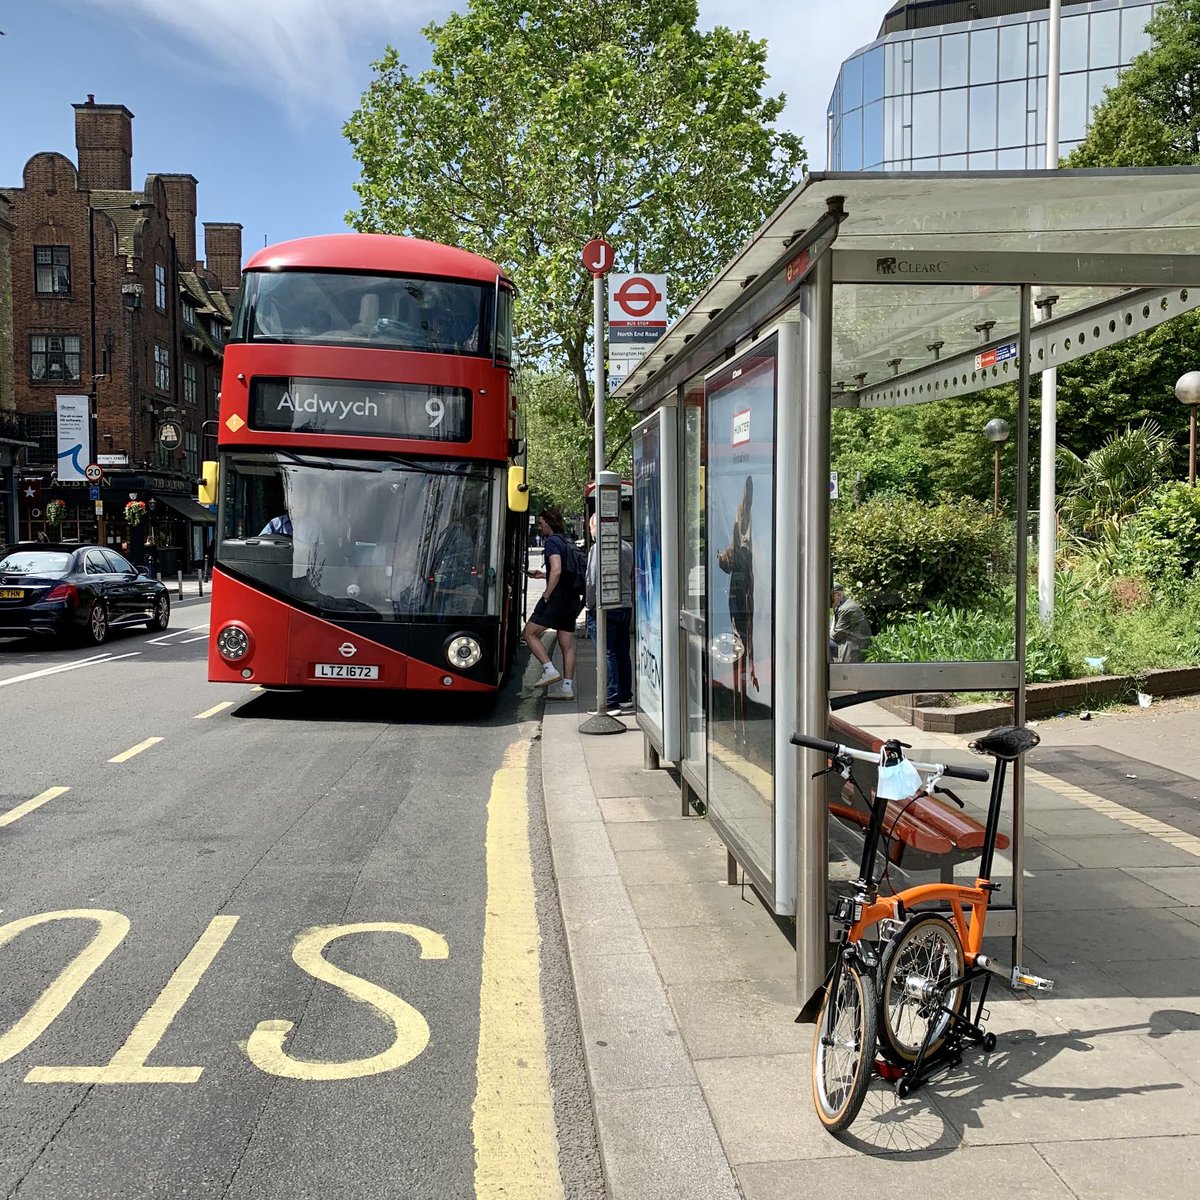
x,y
561,603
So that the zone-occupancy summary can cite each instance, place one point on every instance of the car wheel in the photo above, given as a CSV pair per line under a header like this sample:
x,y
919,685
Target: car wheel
x,y
162,613
97,626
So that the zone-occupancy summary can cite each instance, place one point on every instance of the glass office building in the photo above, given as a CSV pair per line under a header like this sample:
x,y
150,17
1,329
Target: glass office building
x,y
948,87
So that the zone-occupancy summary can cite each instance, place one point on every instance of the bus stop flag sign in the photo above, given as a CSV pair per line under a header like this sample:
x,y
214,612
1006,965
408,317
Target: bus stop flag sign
x,y
637,316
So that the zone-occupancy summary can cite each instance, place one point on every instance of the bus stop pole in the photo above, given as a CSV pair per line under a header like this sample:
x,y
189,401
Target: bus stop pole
x,y
599,266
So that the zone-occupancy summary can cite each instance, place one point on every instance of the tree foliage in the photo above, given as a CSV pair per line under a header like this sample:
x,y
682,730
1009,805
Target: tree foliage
x,y
1151,118
543,123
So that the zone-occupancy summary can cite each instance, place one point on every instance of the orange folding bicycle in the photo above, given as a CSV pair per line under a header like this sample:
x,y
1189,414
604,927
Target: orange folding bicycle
x,y
903,977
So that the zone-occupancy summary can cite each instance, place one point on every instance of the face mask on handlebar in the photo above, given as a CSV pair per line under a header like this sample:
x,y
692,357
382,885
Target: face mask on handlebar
x,y
898,778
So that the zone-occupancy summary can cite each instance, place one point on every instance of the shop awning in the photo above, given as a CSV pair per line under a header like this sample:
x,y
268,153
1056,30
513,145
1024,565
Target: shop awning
x,y
186,507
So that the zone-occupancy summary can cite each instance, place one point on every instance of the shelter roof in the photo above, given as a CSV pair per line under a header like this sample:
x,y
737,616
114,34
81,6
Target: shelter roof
x,y
1003,222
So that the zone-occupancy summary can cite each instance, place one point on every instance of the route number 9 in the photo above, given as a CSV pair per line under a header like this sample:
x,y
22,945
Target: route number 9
x,y
435,409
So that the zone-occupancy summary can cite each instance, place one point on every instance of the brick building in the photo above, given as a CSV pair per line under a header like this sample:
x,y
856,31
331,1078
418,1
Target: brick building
x,y
111,302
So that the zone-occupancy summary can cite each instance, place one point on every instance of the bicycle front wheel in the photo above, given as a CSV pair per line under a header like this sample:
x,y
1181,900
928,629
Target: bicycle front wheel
x,y
844,1047
918,996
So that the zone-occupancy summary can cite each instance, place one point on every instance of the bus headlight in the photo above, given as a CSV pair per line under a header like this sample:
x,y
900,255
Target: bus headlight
x,y
233,643
463,652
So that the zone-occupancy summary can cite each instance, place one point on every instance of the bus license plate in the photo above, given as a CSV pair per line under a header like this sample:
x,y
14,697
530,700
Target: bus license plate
x,y
12,594
345,671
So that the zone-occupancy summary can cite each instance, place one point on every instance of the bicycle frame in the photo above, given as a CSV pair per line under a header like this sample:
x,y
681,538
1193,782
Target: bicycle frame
x,y
959,897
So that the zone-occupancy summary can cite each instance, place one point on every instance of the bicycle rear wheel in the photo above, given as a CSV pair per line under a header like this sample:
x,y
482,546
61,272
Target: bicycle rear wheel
x,y
844,1047
915,998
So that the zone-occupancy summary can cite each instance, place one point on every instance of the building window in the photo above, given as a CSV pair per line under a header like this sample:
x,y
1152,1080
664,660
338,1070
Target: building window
x,y
218,333
54,357
189,313
189,382
160,287
52,270
162,367
191,451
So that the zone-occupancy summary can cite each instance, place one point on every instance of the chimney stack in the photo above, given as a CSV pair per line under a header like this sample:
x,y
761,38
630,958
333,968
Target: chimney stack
x,y
104,145
181,216
223,252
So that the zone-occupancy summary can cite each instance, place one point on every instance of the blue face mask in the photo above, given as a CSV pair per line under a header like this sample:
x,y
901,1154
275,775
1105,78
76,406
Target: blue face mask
x,y
898,778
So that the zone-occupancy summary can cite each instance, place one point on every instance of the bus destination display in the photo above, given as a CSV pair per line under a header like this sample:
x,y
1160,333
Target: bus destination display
x,y
360,408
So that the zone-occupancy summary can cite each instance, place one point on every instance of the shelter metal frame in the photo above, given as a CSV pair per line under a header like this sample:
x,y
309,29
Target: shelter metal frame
x,y
1132,232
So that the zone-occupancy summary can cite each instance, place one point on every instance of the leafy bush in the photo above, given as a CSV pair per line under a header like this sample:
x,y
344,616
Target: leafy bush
x,y
898,556
1162,539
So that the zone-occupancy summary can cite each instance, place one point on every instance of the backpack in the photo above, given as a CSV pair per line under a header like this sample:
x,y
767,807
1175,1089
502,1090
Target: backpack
x,y
574,571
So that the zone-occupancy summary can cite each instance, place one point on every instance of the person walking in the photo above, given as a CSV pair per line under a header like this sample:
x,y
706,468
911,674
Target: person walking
x,y
558,609
617,625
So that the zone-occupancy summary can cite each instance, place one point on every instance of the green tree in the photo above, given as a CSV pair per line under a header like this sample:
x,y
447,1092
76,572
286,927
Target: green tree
x,y
1107,487
543,123
1150,118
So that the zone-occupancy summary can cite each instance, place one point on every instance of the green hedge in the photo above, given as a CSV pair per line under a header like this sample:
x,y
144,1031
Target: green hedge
x,y
897,555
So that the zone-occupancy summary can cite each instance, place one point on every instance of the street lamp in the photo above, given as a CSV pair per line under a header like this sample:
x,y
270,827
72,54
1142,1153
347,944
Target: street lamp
x,y
1187,391
996,432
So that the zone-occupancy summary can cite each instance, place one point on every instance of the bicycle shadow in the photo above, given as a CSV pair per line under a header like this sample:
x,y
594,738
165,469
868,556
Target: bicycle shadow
x,y
937,1119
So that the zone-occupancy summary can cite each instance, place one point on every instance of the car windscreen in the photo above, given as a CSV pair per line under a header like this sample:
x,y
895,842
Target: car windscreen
x,y
390,312
35,562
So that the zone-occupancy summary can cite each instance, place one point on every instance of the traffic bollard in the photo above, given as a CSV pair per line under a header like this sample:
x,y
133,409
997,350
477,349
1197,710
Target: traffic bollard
x,y
181,583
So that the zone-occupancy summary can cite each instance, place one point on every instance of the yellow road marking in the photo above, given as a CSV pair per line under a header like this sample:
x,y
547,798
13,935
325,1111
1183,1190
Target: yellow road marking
x,y
265,1045
1118,812
128,754
216,708
516,1147
15,814
128,1065
113,926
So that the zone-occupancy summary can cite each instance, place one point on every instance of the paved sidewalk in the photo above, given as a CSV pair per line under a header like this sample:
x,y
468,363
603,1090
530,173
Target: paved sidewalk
x,y
686,990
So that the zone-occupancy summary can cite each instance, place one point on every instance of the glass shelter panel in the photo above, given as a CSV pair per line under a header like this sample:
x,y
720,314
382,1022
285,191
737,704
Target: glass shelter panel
x,y
692,585
740,500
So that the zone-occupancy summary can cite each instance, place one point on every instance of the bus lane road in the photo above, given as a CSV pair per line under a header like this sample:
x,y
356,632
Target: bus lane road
x,y
250,959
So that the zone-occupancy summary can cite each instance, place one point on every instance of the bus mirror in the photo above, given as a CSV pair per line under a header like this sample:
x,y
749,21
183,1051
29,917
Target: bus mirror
x,y
207,491
518,490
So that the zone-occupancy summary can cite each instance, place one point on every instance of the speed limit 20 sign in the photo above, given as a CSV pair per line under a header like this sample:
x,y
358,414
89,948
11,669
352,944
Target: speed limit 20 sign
x,y
93,472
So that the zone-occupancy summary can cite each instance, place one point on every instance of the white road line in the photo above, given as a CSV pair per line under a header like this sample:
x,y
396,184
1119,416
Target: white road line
x,y
188,641
87,662
216,708
15,814
128,754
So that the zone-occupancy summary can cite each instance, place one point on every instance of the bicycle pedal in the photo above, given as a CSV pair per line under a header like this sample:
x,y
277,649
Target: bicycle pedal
x,y
1022,979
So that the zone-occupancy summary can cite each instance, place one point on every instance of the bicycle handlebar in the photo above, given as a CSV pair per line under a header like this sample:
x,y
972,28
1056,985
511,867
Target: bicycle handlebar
x,y
836,749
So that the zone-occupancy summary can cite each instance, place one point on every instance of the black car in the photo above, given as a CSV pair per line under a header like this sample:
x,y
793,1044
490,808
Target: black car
x,y
84,591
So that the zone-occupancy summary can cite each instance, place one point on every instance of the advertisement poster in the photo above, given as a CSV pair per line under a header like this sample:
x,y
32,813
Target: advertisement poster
x,y
648,577
74,438
740,493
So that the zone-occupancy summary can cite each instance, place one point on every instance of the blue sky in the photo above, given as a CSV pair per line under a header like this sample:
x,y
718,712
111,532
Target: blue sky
x,y
250,95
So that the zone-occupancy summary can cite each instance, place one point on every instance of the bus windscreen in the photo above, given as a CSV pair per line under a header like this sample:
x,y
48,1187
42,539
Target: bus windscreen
x,y
387,312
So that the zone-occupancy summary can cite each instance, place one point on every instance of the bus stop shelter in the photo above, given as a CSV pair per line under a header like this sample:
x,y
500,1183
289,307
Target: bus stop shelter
x,y
863,290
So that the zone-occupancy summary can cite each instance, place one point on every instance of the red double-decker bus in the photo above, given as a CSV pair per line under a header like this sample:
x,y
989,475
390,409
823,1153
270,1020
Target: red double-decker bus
x,y
371,526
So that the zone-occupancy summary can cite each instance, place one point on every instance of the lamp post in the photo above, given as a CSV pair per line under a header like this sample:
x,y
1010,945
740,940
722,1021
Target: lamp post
x,y
996,432
1187,391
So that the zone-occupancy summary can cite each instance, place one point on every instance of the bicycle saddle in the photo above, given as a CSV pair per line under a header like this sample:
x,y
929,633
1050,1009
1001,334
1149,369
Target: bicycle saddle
x,y
1008,742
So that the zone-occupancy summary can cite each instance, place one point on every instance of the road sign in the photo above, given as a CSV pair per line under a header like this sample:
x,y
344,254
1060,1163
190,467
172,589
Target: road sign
x,y
94,493
99,508
93,473
169,435
598,256
638,298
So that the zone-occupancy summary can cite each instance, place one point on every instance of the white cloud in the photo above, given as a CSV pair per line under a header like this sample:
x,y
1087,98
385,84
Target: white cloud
x,y
303,54
807,40
311,55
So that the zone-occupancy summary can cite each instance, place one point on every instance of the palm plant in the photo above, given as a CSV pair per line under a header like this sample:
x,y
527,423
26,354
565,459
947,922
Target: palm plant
x,y
1099,492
